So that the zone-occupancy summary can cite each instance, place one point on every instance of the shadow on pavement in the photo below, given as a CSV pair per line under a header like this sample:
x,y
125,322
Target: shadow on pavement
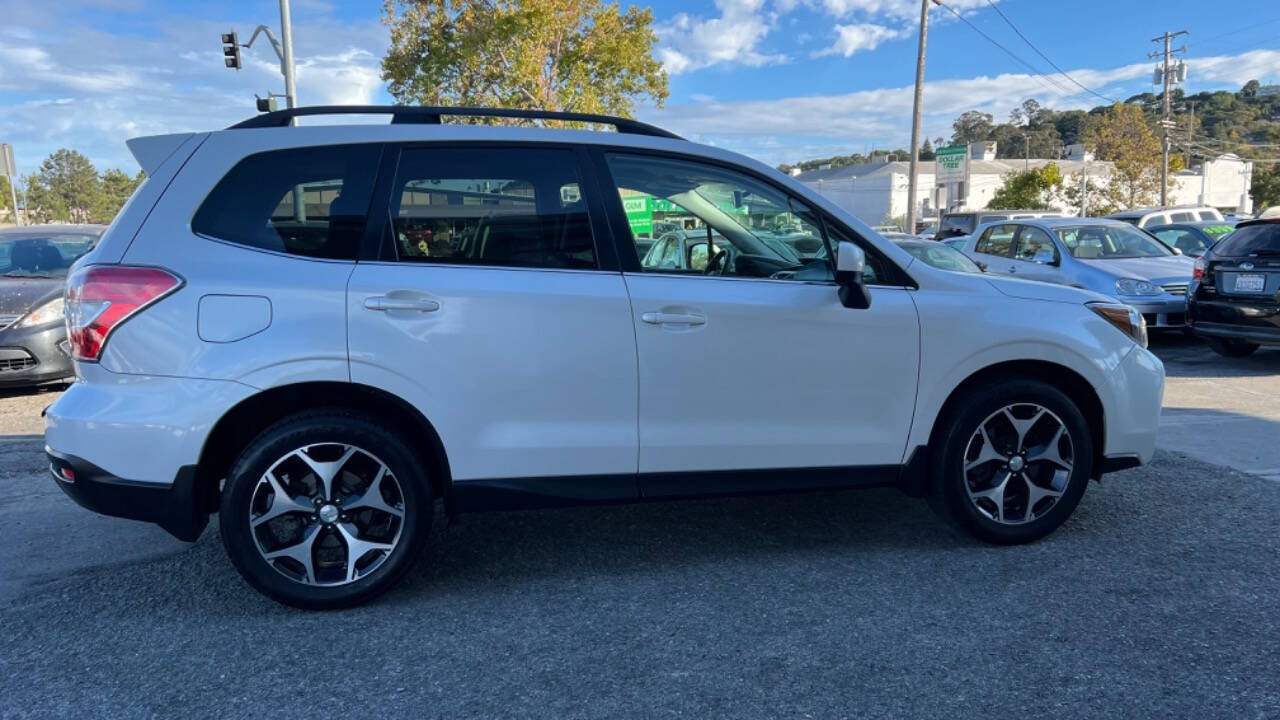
x,y
1186,356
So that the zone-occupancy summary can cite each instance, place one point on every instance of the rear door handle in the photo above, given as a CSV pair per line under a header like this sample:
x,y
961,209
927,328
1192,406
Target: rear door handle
x,y
382,303
662,318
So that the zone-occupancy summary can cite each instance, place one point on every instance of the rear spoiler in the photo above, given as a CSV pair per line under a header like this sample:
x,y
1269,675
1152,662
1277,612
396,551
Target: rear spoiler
x,y
153,150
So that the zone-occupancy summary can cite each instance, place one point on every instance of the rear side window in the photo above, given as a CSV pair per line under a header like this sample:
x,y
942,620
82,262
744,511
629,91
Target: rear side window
x,y
311,202
1208,215
997,240
507,207
1261,239
1183,216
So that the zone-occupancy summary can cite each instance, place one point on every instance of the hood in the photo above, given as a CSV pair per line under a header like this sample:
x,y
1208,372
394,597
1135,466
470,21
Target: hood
x,y
1050,292
1160,270
19,294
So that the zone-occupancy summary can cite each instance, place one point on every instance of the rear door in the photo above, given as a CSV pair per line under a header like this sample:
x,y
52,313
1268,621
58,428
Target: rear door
x,y
489,306
994,248
1035,256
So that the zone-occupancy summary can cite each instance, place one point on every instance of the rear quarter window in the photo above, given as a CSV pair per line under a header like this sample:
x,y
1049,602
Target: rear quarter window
x,y
311,202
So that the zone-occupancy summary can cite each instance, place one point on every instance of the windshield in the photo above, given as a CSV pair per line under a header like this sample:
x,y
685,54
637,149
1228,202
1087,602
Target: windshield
x,y
1110,242
1261,239
45,255
942,257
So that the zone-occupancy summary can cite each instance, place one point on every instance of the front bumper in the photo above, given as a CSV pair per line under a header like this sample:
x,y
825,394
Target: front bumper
x,y
178,508
1161,313
1132,406
34,355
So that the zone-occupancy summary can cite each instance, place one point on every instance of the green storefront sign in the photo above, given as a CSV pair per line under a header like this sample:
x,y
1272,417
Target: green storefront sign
x,y
639,213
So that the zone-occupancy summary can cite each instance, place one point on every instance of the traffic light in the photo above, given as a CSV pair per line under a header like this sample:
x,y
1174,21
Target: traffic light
x,y
231,50
267,104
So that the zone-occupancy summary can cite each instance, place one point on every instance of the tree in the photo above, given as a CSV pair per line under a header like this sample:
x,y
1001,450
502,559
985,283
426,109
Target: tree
x,y
972,126
573,55
1250,89
1124,137
1265,188
1034,189
6,200
115,187
65,188
926,150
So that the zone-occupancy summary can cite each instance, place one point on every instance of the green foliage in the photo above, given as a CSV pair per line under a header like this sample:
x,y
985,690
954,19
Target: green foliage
x,y
6,198
1033,189
1265,188
573,55
67,188
972,126
1126,138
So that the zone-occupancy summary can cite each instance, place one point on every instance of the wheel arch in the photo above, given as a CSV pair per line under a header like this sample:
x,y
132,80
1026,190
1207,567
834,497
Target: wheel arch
x,y
1076,387
245,420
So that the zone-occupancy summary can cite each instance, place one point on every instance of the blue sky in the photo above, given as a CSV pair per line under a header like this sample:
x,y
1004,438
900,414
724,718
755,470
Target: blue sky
x,y
781,80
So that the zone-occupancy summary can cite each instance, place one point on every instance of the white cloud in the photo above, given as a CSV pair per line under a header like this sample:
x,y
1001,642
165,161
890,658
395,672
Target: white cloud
x,y
791,128
689,42
859,37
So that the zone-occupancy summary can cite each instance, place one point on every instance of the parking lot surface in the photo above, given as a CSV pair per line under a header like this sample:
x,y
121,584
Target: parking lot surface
x,y
1158,598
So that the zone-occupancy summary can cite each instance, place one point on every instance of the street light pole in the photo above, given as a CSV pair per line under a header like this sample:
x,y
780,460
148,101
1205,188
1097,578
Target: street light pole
x,y
915,118
286,62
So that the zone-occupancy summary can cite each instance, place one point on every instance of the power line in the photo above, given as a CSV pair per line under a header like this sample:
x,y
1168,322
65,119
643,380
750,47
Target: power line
x,y
1006,50
1052,64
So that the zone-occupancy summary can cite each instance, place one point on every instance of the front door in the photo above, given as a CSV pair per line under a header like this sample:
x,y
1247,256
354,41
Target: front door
x,y
747,359
490,311
1035,256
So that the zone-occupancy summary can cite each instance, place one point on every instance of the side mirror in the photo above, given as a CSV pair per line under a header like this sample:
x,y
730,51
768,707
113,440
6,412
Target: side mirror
x,y
1176,250
1045,257
850,262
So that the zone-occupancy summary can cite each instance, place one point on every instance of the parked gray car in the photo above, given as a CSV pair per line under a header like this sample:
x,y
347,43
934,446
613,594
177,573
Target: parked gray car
x,y
1107,256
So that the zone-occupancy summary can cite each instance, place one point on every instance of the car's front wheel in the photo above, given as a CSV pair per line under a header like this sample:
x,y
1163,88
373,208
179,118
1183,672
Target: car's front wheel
x,y
1231,348
325,509
1012,461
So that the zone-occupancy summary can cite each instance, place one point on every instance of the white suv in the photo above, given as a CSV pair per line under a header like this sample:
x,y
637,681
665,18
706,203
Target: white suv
x,y
318,331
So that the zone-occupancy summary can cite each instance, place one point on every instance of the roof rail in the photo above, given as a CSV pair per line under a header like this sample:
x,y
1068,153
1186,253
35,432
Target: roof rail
x,y
431,116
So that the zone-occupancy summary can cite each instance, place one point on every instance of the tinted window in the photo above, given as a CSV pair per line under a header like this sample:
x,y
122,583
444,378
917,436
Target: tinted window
x,y
956,225
997,240
1208,215
1260,239
1182,216
304,201
509,207
732,224
1035,243
1188,241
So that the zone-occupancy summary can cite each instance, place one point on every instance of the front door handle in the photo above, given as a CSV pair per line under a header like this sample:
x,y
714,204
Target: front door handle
x,y
382,303
662,318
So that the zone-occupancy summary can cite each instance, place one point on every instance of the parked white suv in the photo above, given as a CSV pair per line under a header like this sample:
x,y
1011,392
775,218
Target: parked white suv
x,y
318,331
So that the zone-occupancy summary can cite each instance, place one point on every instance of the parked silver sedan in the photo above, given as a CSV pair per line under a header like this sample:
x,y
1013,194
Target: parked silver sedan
x,y
1107,256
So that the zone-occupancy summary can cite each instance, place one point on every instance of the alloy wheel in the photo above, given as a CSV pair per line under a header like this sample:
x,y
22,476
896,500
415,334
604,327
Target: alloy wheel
x,y
327,514
1017,463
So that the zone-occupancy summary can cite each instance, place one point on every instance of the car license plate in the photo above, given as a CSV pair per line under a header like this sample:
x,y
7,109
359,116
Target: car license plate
x,y
1250,283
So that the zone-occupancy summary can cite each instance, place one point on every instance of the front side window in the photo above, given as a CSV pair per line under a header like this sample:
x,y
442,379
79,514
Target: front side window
x,y
997,240
517,207
729,223
1035,245
311,202
1105,242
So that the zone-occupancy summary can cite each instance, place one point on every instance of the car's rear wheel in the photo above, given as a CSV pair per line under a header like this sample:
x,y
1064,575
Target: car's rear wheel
x,y
1012,461
1231,348
325,509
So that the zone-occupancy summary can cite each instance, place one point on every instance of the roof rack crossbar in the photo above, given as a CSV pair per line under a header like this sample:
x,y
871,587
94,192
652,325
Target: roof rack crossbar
x,y
401,114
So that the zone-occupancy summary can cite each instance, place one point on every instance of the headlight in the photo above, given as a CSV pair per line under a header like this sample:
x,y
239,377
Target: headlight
x,y
51,311
1123,318
1133,286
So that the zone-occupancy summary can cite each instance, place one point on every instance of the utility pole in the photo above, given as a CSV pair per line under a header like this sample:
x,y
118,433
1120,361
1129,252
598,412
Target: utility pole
x,y
1026,157
9,169
286,60
915,118
1191,128
1166,38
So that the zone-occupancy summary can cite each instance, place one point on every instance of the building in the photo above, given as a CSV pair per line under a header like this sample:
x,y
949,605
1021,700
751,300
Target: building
x,y
876,192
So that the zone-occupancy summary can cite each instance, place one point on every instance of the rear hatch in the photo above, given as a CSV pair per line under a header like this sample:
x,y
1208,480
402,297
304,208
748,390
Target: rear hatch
x,y
1245,266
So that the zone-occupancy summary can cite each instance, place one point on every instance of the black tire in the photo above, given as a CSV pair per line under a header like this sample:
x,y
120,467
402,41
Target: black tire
x,y
339,427
948,495
1231,348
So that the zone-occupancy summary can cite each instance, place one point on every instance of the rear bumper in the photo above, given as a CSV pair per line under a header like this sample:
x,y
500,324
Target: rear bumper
x,y
177,507
1235,320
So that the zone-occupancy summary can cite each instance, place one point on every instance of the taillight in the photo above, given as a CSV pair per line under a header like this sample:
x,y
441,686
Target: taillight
x,y
101,297
1198,272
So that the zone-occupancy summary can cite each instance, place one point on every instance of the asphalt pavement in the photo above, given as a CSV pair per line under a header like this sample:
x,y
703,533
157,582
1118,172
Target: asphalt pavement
x,y
1159,598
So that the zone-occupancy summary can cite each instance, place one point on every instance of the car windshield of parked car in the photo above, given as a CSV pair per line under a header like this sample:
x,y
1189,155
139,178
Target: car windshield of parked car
x,y
44,255
1261,239
1110,242
942,257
